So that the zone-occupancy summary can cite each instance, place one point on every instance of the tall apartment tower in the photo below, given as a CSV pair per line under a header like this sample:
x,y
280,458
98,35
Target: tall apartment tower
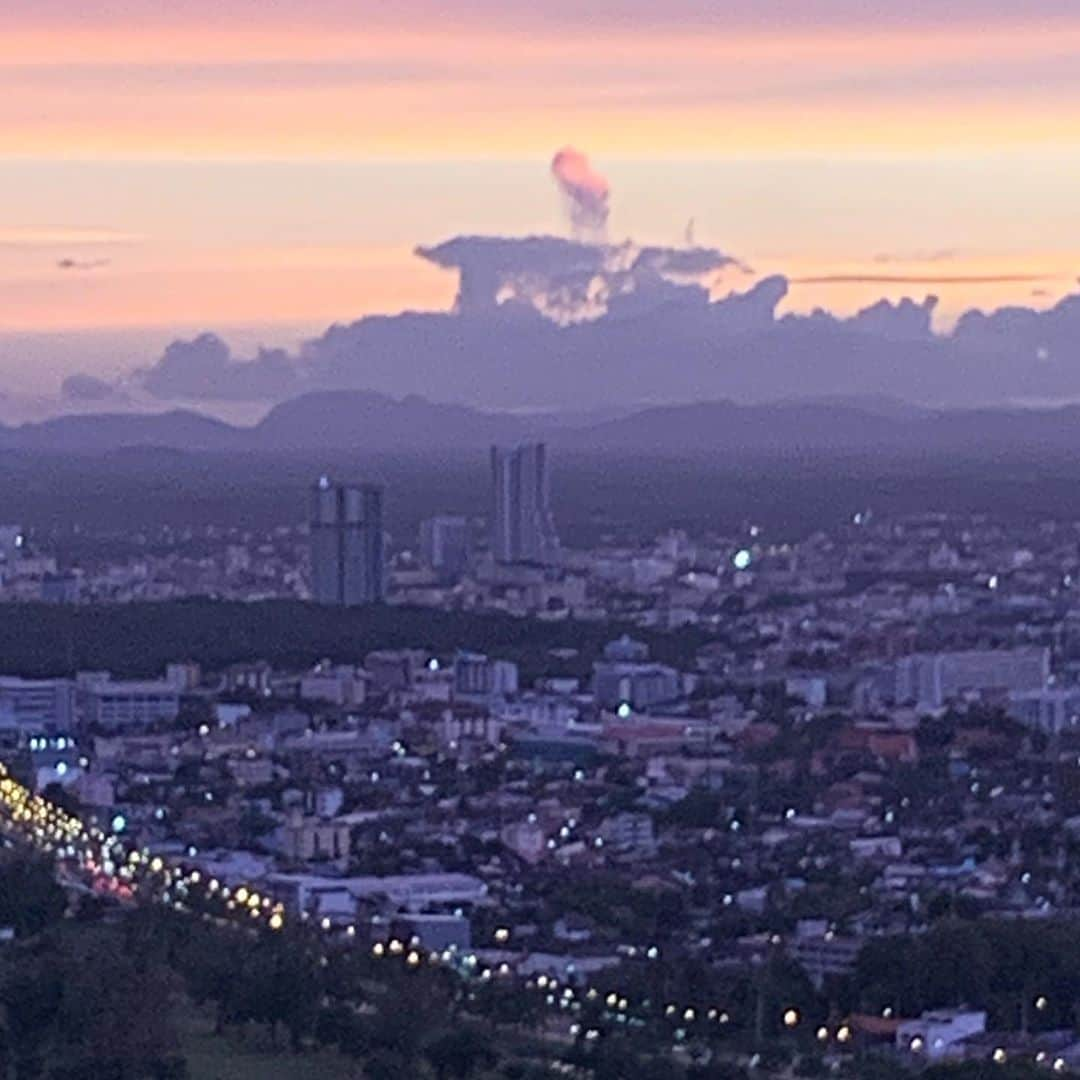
x,y
346,544
444,545
523,529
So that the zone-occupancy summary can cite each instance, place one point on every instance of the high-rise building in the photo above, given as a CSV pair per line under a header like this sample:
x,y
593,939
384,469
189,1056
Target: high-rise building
x,y
523,529
346,544
444,545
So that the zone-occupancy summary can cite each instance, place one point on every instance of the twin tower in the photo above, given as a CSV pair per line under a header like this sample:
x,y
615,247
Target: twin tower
x,y
348,559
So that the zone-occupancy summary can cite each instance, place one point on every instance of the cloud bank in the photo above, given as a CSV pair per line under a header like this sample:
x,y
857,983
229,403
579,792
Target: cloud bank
x,y
87,389
572,281
548,322
205,369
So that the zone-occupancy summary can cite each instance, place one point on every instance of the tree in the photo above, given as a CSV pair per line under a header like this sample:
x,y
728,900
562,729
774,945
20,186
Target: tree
x,y
385,1065
210,963
116,1010
458,1054
30,898
508,1004
810,1065
717,1070
279,982
412,1005
63,797
76,999
30,993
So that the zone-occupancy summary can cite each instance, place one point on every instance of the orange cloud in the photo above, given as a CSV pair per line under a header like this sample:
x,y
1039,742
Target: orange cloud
x,y
296,87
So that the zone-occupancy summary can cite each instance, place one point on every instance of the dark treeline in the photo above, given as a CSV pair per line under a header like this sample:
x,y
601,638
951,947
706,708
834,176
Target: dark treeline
x,y
140,639
105,994
87,998
1004,966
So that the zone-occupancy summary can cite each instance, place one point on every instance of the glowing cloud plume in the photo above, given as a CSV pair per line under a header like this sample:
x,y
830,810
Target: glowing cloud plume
x,y
584,191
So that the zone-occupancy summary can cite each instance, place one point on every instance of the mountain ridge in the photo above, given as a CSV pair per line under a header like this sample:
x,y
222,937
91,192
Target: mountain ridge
x,y
368,421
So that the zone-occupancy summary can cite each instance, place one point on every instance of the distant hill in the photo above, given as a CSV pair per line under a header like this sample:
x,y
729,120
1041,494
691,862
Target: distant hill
x,y
723,426
374,423
176,429
360,419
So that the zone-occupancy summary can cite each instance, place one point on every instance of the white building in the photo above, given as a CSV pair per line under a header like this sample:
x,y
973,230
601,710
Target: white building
x,y
1052,710
478,676
411,892
456,728
931,679
813,689
38,704
342,685
110,704
526,839
637,685
821,952
630,832
936,1035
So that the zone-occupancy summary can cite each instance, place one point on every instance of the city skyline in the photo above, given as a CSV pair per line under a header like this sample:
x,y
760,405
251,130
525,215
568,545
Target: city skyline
x,y
539,539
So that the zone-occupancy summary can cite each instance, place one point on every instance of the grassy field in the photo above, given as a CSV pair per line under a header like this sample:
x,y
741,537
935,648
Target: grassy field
x,y
250,1056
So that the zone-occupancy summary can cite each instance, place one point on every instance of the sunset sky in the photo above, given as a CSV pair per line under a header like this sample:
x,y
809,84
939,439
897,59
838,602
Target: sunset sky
x,y
223,163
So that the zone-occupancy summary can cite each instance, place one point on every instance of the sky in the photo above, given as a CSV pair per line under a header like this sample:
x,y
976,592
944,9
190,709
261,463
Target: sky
x,y
265,167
